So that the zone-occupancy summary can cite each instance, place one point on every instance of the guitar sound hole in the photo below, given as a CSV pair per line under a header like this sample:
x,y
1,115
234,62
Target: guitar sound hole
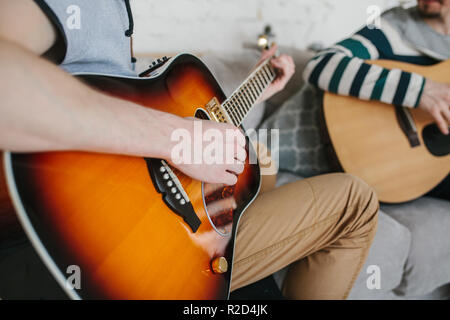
x,y
202,114
219,204
436,142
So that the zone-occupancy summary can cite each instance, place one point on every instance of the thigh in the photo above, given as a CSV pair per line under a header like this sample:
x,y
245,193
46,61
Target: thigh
x,y
288,223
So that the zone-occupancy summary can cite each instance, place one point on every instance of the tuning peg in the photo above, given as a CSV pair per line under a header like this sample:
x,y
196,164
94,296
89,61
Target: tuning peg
x,y
264,38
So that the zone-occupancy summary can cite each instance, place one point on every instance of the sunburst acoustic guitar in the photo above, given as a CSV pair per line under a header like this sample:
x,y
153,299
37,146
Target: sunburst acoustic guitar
x,y
137,228
398,151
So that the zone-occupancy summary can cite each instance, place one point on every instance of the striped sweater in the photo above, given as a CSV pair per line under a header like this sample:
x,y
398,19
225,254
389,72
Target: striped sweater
x,y
341,68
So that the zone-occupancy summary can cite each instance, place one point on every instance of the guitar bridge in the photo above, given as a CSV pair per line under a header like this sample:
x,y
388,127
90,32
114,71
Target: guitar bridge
x,y
174,196
217,112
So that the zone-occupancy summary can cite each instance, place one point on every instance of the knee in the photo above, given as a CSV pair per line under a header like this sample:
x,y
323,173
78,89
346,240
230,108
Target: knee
x,y
363,198
359,190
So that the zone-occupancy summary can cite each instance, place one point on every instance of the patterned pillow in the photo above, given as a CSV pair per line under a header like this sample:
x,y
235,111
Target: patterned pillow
x,y
302,146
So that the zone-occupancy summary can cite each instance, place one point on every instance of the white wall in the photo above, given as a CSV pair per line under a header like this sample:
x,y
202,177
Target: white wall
x,y
197,26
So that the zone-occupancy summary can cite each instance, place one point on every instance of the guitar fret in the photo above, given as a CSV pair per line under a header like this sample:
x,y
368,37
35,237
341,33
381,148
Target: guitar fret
x,y
240,103
244,96
246,106
233,108
238,109
266,74
230,112
247,96
254,87
263,78
250,92
235,114
259,84
242,100
268,70
253,91
272,72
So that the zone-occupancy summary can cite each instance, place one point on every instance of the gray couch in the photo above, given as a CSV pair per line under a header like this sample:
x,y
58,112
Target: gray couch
x,y
412,245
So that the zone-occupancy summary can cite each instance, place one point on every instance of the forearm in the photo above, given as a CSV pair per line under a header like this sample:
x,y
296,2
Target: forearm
x,y
352,76
44,108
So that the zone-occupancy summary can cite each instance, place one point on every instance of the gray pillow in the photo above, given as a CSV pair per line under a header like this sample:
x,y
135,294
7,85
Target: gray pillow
x,y
302,149
389,252
428,264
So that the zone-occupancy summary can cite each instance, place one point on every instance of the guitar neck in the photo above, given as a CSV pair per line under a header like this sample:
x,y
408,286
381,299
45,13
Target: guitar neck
x,y
241,101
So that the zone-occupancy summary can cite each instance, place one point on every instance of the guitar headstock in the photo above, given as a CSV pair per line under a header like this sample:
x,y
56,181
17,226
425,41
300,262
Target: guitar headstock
x,y
265,39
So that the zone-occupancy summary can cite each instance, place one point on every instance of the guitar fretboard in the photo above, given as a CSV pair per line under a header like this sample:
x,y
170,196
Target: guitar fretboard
x,y
244,98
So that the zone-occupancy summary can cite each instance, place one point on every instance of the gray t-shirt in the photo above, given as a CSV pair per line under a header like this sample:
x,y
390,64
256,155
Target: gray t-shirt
x,y
93,34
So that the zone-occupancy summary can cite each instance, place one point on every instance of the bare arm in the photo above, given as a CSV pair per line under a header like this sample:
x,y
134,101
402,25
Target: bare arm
x,y
44,108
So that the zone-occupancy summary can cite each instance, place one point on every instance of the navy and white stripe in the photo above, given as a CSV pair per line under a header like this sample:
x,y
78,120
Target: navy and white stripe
x,y
341,68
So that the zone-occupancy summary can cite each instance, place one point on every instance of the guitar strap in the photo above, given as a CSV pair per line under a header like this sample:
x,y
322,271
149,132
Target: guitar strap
x,y
407,125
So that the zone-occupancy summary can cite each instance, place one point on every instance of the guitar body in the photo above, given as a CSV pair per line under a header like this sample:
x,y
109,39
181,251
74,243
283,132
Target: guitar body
x,y
110,216
370,143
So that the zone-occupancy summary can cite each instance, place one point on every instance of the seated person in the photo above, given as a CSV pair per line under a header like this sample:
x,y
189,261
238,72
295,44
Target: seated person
x,y
323,226
418,35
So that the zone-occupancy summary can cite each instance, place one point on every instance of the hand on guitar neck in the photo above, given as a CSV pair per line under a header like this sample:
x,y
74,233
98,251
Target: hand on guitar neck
x,y
436,101
285,67
224,169
226,173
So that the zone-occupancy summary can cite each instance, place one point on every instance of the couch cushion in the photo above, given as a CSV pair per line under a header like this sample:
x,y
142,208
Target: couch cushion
x,y
389,252
428,264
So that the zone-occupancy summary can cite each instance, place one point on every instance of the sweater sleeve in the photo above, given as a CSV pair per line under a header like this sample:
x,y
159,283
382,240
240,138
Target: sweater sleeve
x,y
341,69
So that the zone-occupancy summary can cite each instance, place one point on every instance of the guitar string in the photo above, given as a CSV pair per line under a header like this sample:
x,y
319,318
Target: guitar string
x,y
246,103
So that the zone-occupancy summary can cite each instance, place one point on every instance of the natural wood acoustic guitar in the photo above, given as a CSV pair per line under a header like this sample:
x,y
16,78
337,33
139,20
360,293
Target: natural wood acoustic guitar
x,y
398,151
137,228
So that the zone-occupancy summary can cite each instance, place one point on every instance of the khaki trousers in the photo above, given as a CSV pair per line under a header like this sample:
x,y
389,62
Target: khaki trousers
x,y
321,227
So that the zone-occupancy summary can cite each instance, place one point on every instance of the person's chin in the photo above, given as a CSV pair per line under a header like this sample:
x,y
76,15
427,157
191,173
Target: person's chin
x,y
430,8
429,13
